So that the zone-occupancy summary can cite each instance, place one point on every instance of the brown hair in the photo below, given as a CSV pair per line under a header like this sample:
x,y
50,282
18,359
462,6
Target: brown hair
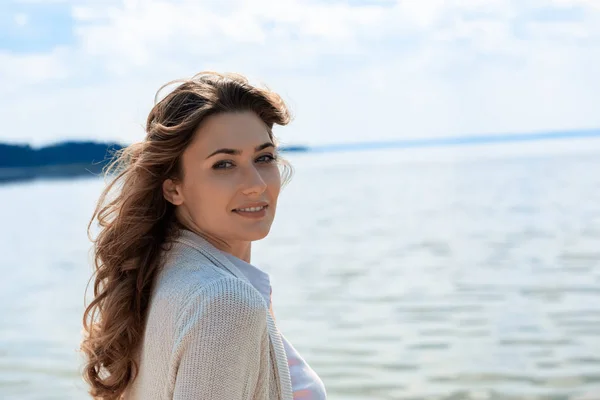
x,y
137,223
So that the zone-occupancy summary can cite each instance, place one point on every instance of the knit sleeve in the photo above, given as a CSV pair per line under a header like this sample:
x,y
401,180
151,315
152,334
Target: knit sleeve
x,y
220,332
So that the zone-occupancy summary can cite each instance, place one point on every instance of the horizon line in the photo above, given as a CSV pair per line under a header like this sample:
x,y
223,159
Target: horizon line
x,y
395,143
457,140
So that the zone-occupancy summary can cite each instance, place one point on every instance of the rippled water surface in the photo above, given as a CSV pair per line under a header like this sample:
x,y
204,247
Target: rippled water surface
x,y
394,279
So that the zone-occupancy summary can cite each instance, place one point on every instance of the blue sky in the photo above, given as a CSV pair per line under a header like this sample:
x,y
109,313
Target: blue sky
x,y
350,70
27,28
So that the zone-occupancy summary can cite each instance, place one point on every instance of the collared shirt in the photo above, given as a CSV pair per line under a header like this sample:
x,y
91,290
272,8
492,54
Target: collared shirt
x,y
306,384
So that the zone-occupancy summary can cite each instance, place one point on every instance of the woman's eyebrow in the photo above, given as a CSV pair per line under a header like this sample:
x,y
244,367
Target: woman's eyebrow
x,y
235,152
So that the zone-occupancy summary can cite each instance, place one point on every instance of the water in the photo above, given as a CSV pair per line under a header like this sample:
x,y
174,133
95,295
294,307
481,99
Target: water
x,y
395,278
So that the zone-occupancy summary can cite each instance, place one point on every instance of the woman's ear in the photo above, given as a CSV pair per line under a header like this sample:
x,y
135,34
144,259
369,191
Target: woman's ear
x,y
172,192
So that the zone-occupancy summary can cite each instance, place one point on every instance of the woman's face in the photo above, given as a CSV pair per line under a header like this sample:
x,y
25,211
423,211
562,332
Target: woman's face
x,y
231,180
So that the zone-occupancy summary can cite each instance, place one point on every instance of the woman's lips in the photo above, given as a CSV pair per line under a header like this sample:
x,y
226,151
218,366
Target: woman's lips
x,y
252,214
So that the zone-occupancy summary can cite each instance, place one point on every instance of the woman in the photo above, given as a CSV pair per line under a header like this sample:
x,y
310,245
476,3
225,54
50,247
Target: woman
x,y
179,312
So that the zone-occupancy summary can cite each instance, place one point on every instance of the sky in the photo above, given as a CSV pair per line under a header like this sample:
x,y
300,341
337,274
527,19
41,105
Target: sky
x,y
350,70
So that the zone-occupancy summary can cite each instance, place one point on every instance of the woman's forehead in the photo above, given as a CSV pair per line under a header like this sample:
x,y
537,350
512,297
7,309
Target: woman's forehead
x,y
237,131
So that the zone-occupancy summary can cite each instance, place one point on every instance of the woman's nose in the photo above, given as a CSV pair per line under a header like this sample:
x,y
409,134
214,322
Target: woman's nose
x,y
254,182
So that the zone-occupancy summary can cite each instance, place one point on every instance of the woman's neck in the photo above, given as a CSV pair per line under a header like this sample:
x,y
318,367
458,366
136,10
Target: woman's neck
x,y
241,250
237,248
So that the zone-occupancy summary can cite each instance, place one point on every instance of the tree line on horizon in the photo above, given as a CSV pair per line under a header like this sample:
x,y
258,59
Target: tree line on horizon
x,y
24,156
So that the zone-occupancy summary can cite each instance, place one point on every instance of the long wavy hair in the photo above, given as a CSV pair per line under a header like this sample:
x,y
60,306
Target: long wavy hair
x,y
136,223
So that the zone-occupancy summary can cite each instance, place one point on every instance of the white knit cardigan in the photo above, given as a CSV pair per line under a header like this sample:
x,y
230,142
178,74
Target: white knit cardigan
x,y
209,334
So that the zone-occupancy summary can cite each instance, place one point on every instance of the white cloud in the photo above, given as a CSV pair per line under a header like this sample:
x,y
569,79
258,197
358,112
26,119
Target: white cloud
x,y
21,19
350,72
22,71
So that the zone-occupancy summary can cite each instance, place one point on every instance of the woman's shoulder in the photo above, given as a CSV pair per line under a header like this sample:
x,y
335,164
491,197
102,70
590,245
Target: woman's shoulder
x,y
226,296
190,280
221,303
188,301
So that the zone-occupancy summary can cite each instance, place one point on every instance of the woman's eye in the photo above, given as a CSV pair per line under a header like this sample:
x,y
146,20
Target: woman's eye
x,y
223,165
267,158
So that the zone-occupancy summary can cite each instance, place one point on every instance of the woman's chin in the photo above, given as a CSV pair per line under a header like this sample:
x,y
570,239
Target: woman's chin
x,y
257,235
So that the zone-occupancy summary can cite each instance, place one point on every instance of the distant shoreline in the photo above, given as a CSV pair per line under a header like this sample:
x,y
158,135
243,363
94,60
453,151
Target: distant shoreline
x,y
80,159
8,174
